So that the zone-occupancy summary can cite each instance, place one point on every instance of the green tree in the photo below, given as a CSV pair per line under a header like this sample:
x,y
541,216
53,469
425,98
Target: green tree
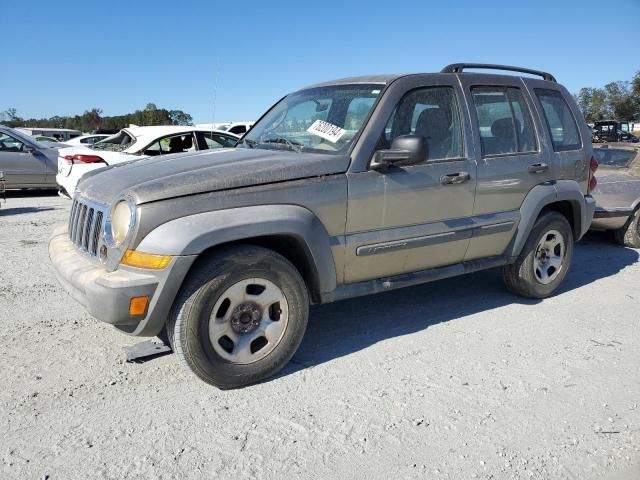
x,y
93,118
620,99
178,117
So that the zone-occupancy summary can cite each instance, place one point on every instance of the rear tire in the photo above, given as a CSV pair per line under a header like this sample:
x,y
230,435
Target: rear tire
x,y
239,317
545,258
629,235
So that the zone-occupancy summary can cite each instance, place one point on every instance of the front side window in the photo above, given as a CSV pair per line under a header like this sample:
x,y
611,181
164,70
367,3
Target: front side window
x,y
504,121
316,120
212,140
432,113
10,144
562,126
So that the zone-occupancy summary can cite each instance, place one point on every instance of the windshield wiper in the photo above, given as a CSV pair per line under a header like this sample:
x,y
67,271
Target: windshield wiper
x,y
295,146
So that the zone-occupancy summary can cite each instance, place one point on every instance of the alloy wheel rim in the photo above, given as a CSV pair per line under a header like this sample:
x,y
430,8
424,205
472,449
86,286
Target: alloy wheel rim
x,y
248,321
548,259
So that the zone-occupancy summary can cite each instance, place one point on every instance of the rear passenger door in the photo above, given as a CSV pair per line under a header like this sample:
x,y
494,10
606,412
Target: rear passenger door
x,y
510,160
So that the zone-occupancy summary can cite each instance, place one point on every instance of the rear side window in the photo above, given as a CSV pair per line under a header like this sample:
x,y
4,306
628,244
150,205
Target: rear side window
x,y
562,126
504,121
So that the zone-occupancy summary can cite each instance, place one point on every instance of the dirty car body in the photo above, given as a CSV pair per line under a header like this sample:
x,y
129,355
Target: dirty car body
x,y
618,192
355,186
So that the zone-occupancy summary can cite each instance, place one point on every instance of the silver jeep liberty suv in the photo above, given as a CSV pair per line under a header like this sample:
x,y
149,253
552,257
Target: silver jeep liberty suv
x,y
341,189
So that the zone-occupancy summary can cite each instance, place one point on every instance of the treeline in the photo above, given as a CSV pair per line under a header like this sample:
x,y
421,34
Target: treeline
x,y
92,119
616,100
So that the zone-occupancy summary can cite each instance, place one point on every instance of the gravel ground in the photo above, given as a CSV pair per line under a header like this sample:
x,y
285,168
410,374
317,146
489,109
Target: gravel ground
x,y
455,379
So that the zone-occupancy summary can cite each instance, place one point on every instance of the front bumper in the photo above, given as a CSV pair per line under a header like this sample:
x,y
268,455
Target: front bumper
x,y
106,295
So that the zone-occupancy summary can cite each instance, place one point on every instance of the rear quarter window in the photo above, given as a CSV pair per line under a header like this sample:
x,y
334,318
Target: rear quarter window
x,y
560,121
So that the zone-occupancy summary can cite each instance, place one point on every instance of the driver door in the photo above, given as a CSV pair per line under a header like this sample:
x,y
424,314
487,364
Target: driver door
x,y
411,218
21,168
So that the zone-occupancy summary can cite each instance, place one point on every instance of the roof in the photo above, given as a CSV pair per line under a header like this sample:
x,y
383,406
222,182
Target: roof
x,y
379,79
453,69
162,130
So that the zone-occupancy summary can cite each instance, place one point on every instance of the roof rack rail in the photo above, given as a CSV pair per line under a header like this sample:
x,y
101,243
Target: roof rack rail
x,y
459,67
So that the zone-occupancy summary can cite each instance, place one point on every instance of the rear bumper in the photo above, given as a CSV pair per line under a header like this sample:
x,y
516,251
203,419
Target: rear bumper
x,y
106,295
587,214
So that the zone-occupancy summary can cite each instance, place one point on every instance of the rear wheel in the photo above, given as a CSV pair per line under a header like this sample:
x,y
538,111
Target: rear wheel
x,y
545,258
629,235
240,316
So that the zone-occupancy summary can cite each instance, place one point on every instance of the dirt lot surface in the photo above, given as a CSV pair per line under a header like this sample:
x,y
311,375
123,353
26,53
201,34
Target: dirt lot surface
x,y
456,379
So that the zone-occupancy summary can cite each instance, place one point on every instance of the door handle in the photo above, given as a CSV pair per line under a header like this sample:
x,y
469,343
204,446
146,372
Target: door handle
x,y
538,168
455,178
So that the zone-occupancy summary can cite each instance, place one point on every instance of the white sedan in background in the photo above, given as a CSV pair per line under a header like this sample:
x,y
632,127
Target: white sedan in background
x,y
135,143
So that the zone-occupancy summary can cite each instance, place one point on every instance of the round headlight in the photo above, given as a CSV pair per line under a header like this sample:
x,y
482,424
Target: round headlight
x,y
120,221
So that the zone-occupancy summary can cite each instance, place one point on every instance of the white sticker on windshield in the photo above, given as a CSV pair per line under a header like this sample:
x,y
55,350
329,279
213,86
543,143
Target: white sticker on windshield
x,y
326,130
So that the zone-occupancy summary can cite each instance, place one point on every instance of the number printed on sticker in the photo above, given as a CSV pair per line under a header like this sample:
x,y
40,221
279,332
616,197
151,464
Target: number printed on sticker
x,y
326,130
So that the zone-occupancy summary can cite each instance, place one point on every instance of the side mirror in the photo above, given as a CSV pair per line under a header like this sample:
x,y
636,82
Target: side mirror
x,y
405,150
28,149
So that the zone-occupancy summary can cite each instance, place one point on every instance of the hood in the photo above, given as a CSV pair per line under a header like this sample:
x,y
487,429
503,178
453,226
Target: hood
x,y
156,178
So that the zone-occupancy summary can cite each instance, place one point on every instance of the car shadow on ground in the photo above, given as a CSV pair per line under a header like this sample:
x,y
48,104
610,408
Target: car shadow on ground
x,y
345,327
5,212
31,192
6,209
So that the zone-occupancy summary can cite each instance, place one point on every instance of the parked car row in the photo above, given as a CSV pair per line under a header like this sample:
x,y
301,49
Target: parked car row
x,y
133,144
341,189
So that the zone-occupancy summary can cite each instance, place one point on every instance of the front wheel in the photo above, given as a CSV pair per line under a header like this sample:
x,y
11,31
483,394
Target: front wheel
x,y
545,258
240,316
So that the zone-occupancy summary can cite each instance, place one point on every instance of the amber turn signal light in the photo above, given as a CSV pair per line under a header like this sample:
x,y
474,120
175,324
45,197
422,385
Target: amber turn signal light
x,y
133,258
138,305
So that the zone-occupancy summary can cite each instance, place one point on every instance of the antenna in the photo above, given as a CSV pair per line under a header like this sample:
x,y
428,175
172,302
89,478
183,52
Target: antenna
x,y
215,94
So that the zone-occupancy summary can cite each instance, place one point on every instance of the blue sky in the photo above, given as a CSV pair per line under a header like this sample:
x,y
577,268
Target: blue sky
x,y
62,58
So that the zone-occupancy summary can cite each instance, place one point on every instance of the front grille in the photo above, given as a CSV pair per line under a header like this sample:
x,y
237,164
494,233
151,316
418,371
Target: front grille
x,y
85,225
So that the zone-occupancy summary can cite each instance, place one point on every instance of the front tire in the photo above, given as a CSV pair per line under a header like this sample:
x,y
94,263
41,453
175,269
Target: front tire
x,y
629,235
545,258
240,316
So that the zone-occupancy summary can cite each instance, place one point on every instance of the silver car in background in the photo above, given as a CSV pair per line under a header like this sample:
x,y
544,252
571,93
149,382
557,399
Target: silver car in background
x,y
26,162
618,192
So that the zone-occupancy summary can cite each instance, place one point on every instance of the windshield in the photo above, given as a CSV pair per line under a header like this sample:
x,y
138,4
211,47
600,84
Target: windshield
x,y
614,157
317,120
26,138
115,143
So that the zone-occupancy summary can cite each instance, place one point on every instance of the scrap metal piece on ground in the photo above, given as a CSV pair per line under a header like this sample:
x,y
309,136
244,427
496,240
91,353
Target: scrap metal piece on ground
x,y
145,351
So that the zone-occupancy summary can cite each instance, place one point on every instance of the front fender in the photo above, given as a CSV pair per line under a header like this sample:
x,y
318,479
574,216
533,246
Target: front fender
x,y
193,234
